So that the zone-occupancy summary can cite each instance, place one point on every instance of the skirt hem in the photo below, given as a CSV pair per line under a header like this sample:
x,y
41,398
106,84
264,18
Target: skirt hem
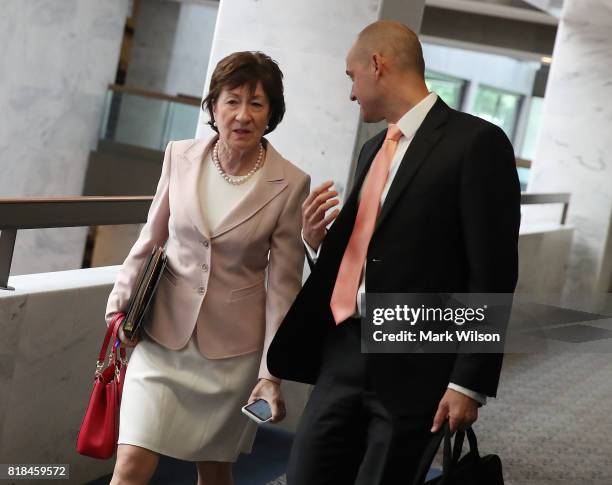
x,y
178,456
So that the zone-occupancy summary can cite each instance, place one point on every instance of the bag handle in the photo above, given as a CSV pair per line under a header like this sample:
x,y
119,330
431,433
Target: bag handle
x,y
451,455
118,360
451,463
471,436
428,455
111,335
457,446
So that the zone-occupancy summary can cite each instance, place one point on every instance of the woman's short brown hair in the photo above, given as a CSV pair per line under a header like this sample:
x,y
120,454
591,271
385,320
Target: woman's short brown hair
x,y
248,68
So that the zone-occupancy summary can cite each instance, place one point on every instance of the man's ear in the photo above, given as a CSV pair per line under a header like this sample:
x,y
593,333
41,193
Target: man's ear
x,y
377,63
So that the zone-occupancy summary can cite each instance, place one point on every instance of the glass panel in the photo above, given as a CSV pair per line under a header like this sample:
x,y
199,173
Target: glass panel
x,y
182,122
141,121
531,137
533,128
145,121
108,99
498,107
449,88
523,174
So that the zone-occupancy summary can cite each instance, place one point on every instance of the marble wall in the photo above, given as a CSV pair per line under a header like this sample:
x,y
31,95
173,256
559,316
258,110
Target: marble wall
x,y
51,329
544,251
573,153
56,60
171,46
151,50
191,50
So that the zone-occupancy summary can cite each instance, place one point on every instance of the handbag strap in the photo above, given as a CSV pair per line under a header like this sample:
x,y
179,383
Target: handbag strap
x,y
117,360
111,333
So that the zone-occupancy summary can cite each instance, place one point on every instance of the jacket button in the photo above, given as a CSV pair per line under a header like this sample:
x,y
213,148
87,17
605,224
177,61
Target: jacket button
x,y
205,243
204,267
201,290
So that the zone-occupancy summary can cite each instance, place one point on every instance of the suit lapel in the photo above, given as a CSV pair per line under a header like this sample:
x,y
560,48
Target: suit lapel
x,y
367,158
363,165
271,182
189,176
424,140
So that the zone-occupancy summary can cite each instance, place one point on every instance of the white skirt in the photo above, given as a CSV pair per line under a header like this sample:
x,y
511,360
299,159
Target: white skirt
x,y
183,405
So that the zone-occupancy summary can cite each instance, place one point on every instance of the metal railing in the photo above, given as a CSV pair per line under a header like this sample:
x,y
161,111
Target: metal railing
x,y
560,198
48,212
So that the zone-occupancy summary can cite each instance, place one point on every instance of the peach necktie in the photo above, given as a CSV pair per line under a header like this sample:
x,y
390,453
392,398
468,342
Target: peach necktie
x,y
344,297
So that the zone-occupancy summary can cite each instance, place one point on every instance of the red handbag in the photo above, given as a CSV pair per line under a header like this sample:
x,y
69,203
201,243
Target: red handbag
x,y
100,427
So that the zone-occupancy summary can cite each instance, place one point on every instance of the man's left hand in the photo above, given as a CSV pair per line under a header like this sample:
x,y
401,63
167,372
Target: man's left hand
x,y
461,410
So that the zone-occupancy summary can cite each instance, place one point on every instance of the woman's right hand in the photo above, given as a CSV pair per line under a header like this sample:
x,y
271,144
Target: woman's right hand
x,y
314,209
126,342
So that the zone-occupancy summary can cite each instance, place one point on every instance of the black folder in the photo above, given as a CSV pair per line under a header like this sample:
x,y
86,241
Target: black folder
x,y
147,281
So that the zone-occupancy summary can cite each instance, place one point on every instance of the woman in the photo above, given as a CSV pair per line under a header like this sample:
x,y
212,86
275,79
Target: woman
x,y
228,210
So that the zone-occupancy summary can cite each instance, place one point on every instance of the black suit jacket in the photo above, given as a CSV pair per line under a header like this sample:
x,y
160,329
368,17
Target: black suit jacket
x,y
449,223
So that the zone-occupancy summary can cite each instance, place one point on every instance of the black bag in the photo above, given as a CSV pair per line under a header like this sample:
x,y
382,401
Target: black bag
x,y
472,469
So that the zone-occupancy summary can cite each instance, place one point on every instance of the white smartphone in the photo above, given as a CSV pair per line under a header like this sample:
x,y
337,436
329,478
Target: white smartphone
x,y
259,411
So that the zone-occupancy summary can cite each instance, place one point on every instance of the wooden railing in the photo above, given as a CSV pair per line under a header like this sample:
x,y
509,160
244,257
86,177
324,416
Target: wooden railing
x,y
46,212
523,163
179,98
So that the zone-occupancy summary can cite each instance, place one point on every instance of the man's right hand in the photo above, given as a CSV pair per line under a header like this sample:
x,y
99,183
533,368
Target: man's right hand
x,y
314,222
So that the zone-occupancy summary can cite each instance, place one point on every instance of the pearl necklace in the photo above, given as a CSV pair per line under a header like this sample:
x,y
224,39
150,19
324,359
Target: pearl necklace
x,y
236,179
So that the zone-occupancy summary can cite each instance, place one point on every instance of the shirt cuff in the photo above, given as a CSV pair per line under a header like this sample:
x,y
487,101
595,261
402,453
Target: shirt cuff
x,y
312,254
476,396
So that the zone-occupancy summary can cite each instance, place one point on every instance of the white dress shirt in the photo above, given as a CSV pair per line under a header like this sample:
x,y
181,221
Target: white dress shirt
x,y
408,125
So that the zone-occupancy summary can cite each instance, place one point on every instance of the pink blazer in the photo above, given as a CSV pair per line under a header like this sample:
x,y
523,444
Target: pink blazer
x,y
234,283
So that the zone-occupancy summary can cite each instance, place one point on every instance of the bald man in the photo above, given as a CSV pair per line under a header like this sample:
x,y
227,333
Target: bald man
x,y
441,217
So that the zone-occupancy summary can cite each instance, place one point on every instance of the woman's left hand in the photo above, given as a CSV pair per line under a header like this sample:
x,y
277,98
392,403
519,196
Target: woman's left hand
x,y
271,392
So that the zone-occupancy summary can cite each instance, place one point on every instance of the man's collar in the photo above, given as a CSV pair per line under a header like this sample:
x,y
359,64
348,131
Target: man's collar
x,y
411,121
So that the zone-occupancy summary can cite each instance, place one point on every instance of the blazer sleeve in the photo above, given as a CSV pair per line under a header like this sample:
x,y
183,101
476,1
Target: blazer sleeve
x,y
285,266
155,231
490,212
